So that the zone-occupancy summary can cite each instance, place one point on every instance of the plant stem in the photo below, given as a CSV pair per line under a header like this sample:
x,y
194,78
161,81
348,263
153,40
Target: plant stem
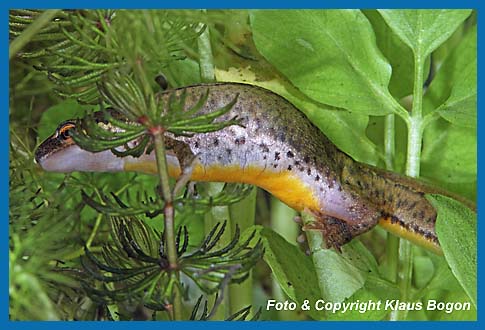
x,y
30,31
316,243
95,230
391,264
243,215
169,229
206,60
415,137
218,214
282,223
415,122
389,140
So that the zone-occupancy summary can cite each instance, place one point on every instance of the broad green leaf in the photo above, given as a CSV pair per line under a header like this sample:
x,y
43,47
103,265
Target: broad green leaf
x,y
347,130
339,275
452,298
423,270
449,157
397,53
456,227
292,269
454,89
329,55
438,306
423,30
339,278
442,277
371,306
183,72
441,53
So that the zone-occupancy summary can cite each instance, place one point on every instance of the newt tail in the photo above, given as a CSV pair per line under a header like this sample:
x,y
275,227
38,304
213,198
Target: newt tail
x,y
278,149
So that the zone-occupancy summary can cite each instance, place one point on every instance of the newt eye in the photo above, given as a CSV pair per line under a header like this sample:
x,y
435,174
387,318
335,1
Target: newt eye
x,y
64,134
65,131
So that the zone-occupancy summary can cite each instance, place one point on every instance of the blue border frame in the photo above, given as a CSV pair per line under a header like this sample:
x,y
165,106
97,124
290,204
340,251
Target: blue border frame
x,y
4,136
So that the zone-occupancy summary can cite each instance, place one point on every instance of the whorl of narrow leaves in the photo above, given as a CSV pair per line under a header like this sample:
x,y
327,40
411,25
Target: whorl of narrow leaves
x,y
129,204
78,48
207,314
140,269
120,130
73,49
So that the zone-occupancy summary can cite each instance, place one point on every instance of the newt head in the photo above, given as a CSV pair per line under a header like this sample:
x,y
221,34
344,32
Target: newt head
x,y
60,153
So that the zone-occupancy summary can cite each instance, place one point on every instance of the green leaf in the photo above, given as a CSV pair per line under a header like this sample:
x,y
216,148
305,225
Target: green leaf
x,y
454,89
339,275
330,55
442,278
453,297
456,227
449,157
375,289
424,30
397,53
292,269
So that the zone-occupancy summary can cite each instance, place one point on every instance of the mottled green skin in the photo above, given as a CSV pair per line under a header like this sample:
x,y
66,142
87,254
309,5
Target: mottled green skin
x,y
277,137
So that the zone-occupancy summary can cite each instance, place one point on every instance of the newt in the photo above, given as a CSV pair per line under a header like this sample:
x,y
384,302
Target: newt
x,y
278,149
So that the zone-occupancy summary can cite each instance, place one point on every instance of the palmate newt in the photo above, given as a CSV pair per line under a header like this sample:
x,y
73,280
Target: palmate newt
x,y
277,148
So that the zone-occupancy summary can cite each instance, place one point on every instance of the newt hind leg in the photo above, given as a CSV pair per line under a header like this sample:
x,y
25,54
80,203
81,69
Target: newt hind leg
x,y
337,232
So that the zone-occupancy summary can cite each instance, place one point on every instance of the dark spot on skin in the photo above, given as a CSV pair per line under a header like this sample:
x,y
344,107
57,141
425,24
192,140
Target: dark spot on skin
x,y
264,157
296,163
276,156
229,151
196,144
275,165
289,168
301,168
216,142
309,171
412,206
317,178
240,141
331,184
281,136
264,147
219,157
290,154
306,159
